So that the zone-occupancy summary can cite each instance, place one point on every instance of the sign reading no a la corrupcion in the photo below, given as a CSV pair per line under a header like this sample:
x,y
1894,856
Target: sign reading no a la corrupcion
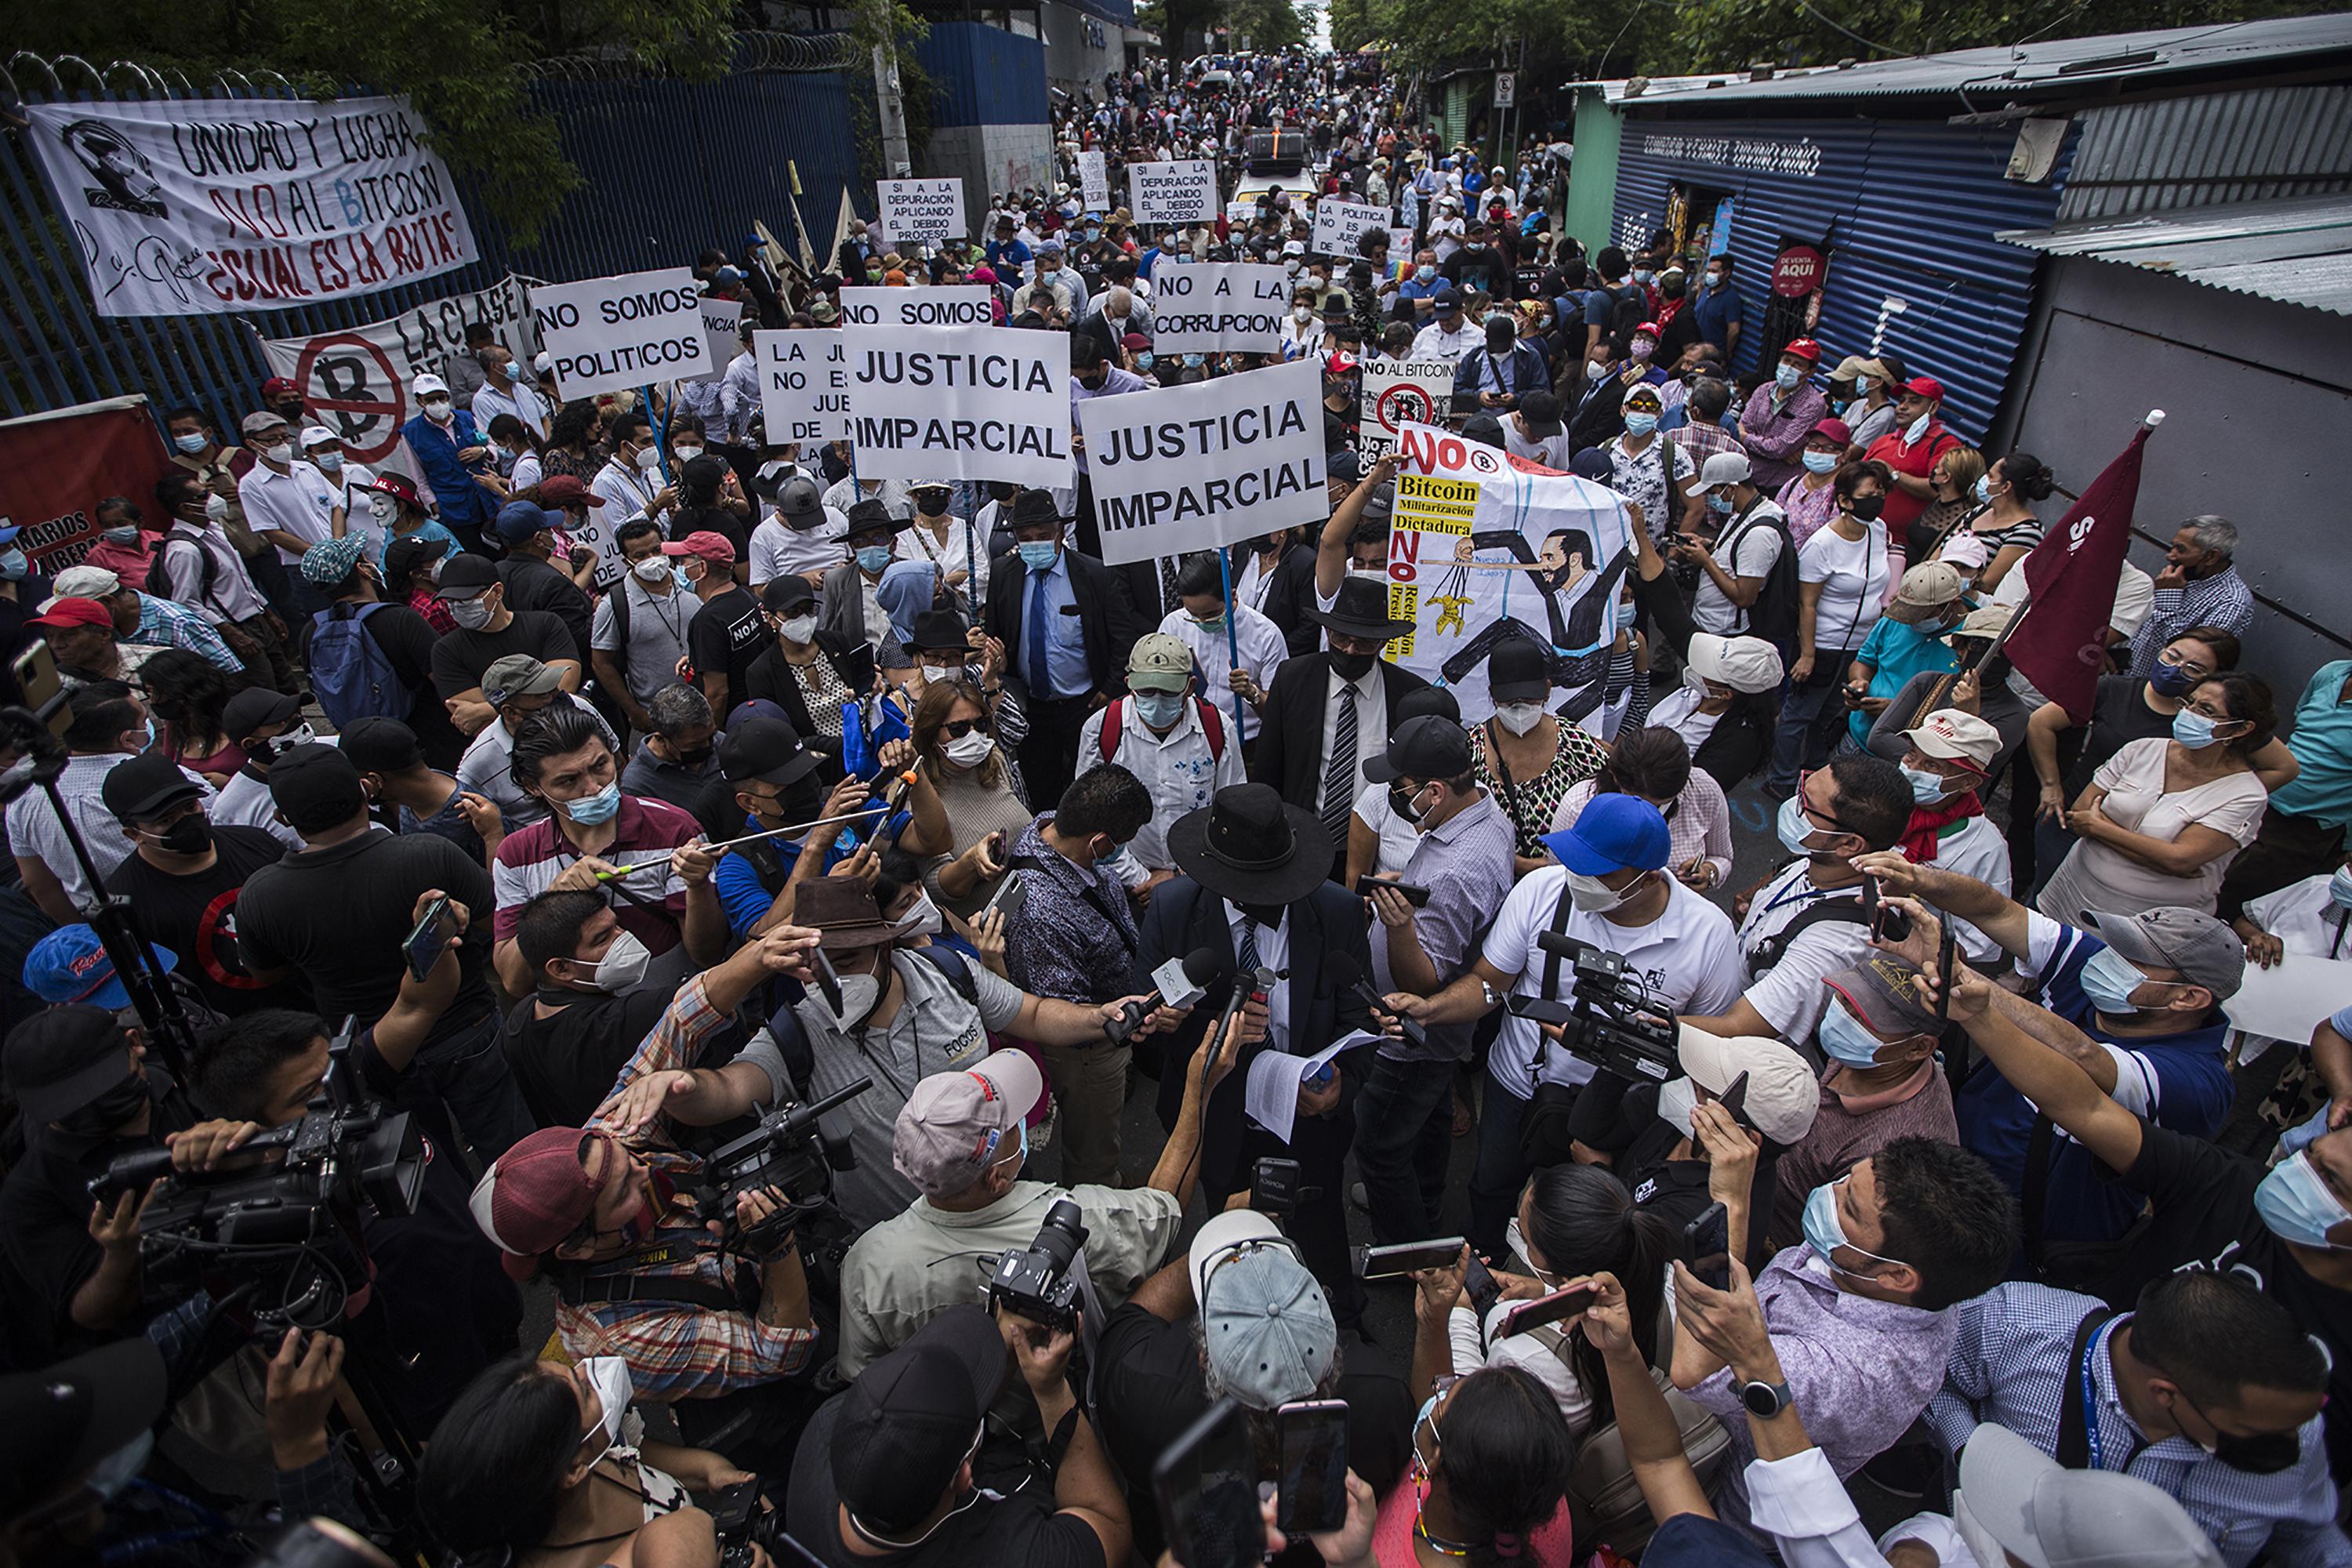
x,y
1218,307
1181,191
959,403
608,334
921,212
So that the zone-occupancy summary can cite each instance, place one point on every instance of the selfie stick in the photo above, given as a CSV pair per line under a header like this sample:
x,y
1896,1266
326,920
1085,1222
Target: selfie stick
x,y
1233,637
752,839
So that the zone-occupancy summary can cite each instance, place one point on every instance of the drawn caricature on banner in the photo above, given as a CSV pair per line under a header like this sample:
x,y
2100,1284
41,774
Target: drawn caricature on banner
x,y
1483,548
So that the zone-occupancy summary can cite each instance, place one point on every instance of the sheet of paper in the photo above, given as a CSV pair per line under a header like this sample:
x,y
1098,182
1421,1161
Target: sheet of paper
x,y
2290,1001
1270,1094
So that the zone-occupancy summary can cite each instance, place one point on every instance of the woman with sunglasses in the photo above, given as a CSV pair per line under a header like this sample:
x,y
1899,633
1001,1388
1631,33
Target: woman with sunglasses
x,y
978,781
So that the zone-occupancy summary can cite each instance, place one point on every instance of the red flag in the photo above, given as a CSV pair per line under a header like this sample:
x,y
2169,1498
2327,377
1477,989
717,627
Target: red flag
x,y
2073,573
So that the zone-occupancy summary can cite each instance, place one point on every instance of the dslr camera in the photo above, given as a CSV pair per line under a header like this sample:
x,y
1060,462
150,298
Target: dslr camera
x,y
1612,1020
792,1151
1038,1282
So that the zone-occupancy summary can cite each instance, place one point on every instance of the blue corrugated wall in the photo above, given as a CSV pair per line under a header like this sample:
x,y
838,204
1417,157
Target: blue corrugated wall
x,y
985,76
1905,209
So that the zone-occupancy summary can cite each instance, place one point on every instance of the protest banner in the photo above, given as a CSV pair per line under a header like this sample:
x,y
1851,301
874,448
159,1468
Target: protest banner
x,y
1338,224
959,403
961,305
1468,525
1193,467
921,212
355,381
1218,307
804,385
1397,393
1094,181
1181,191
184,206
54,467
722,326
608,334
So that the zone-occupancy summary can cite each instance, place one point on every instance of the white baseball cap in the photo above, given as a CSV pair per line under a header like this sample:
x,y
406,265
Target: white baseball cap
x,y
1955,736
1744,664
2052,1517
1783,1094
428,385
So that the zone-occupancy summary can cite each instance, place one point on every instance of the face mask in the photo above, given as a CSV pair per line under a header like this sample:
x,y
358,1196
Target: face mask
x,y
2192,729
2108,980
1866,509
921,919
193,446
111,1109
383,508
1918,427
13,566
1354,666
1595,897
1794,827
2171,680
652,569
859,995
2339,887
439,410
969,750
1519,718
1843,1038
592,809
1595,369
1825,1233
1191,361
623,965
1926,788
1038,555
686,454
281,453
1719,500
1144,362
797,628
1290,265
1160,710
1302,313
1677,1098
648,458
1715,279
1984,489
299,735
1820,462
2266,1454
875,559
120,535
1643,348
472,614
330,461
1640,424
1423,274
609,1376
192,835
1406,803
2293,1201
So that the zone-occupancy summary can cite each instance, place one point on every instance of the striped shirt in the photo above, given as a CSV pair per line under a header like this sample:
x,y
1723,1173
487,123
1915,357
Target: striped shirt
x,y
651,905
2222,600
167,623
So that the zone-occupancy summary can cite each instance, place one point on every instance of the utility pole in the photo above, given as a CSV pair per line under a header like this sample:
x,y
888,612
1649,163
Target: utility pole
x,y
891,106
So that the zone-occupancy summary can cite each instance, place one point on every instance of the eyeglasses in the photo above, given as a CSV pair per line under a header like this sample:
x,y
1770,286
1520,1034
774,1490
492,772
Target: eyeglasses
x,y
956,728
1809,811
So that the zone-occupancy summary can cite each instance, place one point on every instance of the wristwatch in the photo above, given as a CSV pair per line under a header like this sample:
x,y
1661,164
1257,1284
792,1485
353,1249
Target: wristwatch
x,y
1488,992
1765,1400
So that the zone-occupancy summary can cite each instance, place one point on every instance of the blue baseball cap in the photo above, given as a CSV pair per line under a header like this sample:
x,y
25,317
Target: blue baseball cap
x,y
71,964
1612,832
8,535
518,519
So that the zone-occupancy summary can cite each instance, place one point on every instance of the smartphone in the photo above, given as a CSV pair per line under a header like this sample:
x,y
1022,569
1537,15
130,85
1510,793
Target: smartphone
x,y
1735,1100
1417,896
1406,1257
1206,1484
431,938
1311,1492
828,982
1483,1289
1706,1246
1274,1187
1552,1308
36,669
1010,895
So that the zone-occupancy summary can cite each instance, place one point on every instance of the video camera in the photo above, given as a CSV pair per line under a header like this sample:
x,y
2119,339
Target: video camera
x,y
1614,1021
792,1151
740,1525
289,1229
1038,1283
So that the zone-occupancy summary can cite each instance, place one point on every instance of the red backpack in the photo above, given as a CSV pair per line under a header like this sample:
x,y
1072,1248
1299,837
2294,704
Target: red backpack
x,y
1211,722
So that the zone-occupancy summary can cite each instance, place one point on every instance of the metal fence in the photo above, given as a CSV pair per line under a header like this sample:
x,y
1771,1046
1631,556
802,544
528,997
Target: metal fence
x,y
670,167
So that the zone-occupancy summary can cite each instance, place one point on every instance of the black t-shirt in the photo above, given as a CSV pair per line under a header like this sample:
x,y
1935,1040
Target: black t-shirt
x,y
533,584
565,1064
1149,1389
728,634
1017,1531
2119,715
460,657
196,917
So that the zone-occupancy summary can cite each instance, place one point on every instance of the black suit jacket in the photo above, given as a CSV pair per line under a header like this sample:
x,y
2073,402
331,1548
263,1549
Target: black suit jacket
x,y
1289,596
1184,916
1290,734
1106,617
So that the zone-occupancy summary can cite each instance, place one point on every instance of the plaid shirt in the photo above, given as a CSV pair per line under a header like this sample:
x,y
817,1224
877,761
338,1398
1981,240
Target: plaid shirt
x,y
167,623
1702,439
681,1352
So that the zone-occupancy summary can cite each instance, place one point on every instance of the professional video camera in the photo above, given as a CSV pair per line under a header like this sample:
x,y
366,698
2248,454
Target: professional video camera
x,y
744,1527
1038,1283
284,1235
793,1153
1614,1021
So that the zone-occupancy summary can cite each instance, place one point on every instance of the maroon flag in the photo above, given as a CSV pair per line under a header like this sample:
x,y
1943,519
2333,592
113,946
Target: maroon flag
x,y
2072,575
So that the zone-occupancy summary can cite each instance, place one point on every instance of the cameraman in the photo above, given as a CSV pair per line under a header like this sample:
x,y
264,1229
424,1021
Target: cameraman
x,y
609,1211
447,1309
963,1138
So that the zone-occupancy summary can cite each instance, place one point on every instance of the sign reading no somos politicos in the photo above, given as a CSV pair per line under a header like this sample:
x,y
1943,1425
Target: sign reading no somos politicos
x,y
610,333
1181,191
1218,307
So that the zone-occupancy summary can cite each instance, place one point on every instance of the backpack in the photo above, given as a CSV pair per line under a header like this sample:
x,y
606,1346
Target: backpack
x,y
350,672
1629,308
1773,615
1210,722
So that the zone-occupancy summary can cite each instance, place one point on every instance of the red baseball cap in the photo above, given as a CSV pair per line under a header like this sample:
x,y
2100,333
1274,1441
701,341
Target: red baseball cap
x,y
713,547
1925,386
399,485
1338,364
1649,327
1804,349
566,489
534,1195
275,386
74,613
1835,429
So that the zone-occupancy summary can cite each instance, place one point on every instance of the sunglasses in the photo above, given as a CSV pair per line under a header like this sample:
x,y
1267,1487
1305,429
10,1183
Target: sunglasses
x,y
956,728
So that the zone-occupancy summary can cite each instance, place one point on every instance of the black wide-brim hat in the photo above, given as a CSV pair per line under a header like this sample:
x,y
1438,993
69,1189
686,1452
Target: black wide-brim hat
x,y
1250,846
1360,609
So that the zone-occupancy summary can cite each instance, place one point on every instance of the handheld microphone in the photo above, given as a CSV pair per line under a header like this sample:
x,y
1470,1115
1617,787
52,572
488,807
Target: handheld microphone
x,y
1261,983
1349,976
1179,983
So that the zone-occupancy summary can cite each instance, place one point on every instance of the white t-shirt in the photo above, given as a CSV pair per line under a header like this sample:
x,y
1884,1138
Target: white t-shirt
x,y
1790,997
1975,848
1399,837
2306,920
777,550
1688,957
1551,451
1852,575
246,802
1756,548
1678,712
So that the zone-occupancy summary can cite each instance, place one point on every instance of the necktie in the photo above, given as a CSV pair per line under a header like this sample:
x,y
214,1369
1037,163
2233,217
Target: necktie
x,y
1245,961
1040,684
1340,771
1168,598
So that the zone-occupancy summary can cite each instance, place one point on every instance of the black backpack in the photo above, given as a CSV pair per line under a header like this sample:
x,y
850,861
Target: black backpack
x,y
1773,615
1629,308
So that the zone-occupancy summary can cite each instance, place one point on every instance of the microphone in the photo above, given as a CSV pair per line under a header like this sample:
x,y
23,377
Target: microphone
x,y
1179,983
1261,983
1348,975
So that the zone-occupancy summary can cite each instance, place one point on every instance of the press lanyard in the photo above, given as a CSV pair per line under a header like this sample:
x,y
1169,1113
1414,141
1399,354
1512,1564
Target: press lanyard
x,y
2091,1398
1800,890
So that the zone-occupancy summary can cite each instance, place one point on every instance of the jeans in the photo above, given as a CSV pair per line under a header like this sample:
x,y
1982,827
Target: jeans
x,y
470,1075
1812,717
1404,1135
1089,1083
1499,1172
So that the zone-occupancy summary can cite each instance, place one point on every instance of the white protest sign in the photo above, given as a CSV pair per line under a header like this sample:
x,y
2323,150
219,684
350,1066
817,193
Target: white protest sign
x,y
189,205
1181,191
1397,393
959,305
2290,999
1094,181
921,212
959,403
722,328
1338,224
804,385
1468,520
1192,468
1218,307
608,334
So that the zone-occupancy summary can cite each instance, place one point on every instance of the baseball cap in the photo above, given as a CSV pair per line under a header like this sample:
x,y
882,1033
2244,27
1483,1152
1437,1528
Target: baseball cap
x,y
465,575
252,708
138,788
2199,946
1783,1092
518,519
260,419
1723,468
911,1416
1337,363
1644,392
1519,670
534,1195
709,546
566,489
1540,409
783,594
823,311
1804,349
766,750
330,561
1427,747
1925,588
1925,386
1985,621
401,488
1854,365
1344,465
380,745
1269,1331
543,360
953,1127
1956,737
73,612
1446,301
1160,662
316,786
426,385
1882,992
2052,1517
320,435
800,501
1830,428
515,675
1744,664
277,385
71,964
62,1419
86,582
60,1060
1613,831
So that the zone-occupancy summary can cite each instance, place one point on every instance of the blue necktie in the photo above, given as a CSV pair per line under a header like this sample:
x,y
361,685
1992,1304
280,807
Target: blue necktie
x,y
1245,961
1040,682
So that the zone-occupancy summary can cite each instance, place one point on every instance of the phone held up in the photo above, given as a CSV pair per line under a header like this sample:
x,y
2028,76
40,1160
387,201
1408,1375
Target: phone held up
x,y
1311,1495
1206,1485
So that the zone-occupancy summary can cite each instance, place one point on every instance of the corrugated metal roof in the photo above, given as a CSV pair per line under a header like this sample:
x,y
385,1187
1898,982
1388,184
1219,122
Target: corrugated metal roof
x,y
2297,251
2047,68
2257,144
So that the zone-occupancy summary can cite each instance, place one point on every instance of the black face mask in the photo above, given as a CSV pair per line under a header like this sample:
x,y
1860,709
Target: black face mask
x,y
109,1110
1867,508
695,758
932,505
802,803
1354,666
192,835
1264,914
2265,1454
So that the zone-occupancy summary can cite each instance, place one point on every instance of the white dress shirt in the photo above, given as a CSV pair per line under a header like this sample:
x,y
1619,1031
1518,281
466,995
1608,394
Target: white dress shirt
x,y
1177,769
300,501
520,399
34,833
1434,341
1261,648
627,493
1371,731
1273,951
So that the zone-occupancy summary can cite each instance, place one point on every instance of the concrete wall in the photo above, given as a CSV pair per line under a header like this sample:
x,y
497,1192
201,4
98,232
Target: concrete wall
x,y
1082,47
2258,399
990,159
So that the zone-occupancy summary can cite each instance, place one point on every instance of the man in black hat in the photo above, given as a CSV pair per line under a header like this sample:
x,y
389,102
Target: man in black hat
x,y
487,631
1068,664
1533,431
1496,376
1256,890
887,1471
1328,712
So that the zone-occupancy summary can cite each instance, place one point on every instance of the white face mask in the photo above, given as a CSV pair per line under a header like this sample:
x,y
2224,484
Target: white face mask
x,y
797,628
624,964
1595,897
216,509
969,750
652,569
383,508
281,453
921,919
609,1376
686,454
859,993
440,410
649,458
1677,1098
1519,718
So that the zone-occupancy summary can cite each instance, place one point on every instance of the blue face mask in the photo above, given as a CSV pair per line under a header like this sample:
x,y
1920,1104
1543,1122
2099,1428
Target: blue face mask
x,y
2108,980
1984,490
2296,1204
1787,376
601,807
1038,554
1820,462
1160,710
1926,788
1794,827
1843,1038
1719,500
1191,361
150,732
2173,680
1640,423
1143,361
873,559
1825,1233
13,566
193,446
2192,729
